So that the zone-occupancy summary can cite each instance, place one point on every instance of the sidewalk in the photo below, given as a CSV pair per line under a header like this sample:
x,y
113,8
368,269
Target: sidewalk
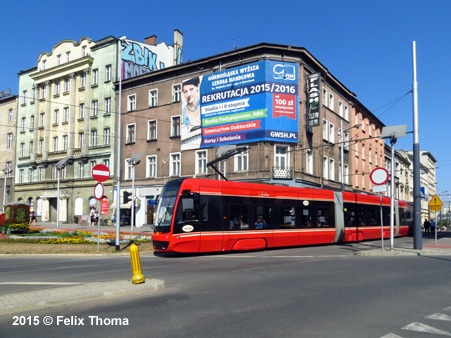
x,y
41,299
429,247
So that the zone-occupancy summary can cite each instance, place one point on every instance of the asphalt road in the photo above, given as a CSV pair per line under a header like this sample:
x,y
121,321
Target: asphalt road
x,y
322,291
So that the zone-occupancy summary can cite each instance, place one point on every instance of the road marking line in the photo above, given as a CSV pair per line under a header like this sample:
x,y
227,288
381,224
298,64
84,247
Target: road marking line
x,y
419,327
439,316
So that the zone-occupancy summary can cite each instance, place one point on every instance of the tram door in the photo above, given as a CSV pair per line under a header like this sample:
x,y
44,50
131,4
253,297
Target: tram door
x,y
212,236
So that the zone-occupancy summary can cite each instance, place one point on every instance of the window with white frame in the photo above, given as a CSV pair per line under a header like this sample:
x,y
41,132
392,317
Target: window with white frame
x,y
128,169
94,137
67,56
10,115
56,116
356,147
66,115
95,108
65,142
325,131
346,174
41,146
66,85
106,162
363,152
30,149
370,158
325,167
131,133
346,140
151,130
331,169
151,166
44,64
24,122
57,87
331,101
30,174
376,162
281,156
153,98
82,110
93,164
84,51
83,80
31,122
55,143
42,122
201,162
340,108
43,92
331,133
108,105
41,174
175,126
24,99
95,76
309,161
346,113
21,175
176,92
325,97
22,149
81,169
108,73
241,161
106,136
58,59
81,139
175,164
131,102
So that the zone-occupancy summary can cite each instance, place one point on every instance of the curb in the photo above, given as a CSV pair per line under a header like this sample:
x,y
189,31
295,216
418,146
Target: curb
x,y
41,299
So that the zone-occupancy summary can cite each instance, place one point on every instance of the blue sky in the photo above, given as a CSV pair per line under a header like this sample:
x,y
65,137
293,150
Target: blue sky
x,y
366,45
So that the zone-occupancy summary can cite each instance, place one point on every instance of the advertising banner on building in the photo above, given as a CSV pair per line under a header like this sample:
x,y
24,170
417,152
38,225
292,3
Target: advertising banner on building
x,y
190,124
249,103
313,97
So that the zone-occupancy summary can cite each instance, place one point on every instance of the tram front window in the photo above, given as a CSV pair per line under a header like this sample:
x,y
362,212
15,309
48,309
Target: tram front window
x,y
165,210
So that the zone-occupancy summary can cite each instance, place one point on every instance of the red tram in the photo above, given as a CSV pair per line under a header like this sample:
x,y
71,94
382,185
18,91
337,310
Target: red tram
x,y
202,215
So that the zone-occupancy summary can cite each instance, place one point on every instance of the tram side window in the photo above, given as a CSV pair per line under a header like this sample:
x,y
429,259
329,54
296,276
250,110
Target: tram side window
x,y
210,213
306,218
262,217
325,216
386,215
368,215
350,215
287,217
238,217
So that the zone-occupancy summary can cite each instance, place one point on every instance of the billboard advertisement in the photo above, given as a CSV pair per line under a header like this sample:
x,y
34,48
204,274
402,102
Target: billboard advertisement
x,y
249,103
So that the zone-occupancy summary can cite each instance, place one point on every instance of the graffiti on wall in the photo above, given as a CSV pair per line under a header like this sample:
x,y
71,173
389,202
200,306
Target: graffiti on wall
x,y
140,58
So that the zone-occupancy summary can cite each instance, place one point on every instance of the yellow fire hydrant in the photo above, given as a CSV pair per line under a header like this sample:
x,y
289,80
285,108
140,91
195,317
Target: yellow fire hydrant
x,y
136,265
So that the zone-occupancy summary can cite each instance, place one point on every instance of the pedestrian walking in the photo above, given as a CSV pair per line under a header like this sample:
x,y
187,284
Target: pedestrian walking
x,y
427,227
432,227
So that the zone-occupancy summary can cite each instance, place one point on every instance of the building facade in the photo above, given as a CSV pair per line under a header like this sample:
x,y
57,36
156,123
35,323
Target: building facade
x,y
8,121
68,114
276,107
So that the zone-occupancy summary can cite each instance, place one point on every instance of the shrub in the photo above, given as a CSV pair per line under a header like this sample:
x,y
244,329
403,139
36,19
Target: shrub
x,y
17,217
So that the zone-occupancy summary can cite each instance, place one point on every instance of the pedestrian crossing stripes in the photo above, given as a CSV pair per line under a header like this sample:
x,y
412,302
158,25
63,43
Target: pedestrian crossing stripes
x,y
424,328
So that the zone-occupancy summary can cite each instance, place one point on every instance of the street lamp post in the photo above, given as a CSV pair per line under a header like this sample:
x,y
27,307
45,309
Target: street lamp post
x,y
7,171
342,178
133,161
59,166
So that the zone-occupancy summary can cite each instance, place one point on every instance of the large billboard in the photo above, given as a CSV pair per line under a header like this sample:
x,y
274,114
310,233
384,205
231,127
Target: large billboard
x,y
249,103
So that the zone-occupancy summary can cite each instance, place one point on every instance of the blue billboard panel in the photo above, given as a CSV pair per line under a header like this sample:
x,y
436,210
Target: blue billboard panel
x,y
250,103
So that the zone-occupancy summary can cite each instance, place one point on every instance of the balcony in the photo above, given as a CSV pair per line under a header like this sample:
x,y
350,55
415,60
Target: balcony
x,y
282,173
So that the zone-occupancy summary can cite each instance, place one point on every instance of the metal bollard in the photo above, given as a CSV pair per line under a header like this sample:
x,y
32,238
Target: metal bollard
x,y
136,265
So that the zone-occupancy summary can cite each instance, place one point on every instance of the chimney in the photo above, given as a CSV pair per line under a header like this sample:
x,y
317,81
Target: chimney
x,y
151,40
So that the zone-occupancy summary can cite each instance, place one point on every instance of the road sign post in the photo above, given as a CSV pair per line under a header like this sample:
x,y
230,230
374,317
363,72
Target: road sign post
x,y
379,176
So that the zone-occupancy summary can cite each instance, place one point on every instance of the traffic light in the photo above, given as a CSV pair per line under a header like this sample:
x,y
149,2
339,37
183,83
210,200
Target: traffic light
x,y
127,197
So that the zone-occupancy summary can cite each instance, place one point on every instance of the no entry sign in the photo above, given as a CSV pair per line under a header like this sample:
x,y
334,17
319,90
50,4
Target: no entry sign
x,y
100,172
379,176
